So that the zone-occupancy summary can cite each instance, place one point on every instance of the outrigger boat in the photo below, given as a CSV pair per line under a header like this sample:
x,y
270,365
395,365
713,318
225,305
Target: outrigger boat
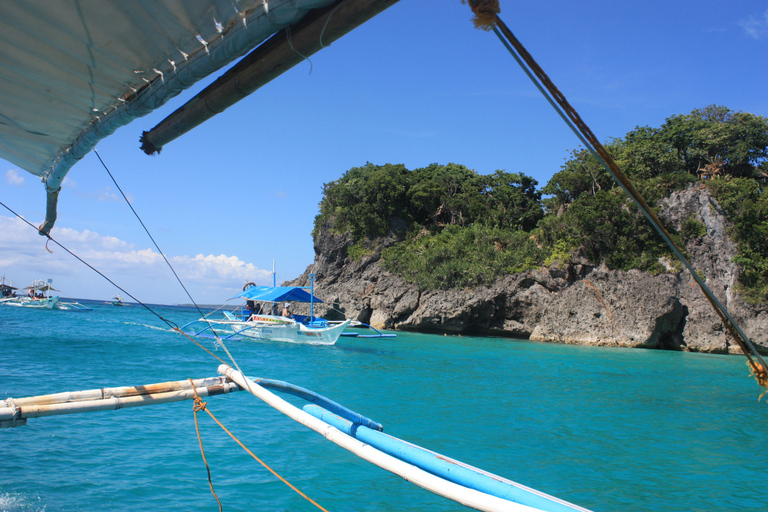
x,y
7,289
117,301
71,80
39,296
261,318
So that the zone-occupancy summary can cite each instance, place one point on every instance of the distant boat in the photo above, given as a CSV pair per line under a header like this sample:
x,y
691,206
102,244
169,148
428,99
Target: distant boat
x,y
7,288
118,301
267,315
39,296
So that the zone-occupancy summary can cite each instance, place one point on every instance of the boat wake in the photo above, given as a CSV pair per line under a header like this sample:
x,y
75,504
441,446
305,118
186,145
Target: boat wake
x,y
153,327
12,502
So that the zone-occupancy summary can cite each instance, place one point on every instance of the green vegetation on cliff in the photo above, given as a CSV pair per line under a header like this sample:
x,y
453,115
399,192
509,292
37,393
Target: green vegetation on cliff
x,y
458,228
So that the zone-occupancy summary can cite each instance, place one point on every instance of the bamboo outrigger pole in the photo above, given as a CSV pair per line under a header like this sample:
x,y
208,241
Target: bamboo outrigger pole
x,y
15,411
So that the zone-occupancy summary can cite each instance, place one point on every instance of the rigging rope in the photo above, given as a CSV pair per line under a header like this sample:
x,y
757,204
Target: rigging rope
x,y
486,18
201,406
147,230
219,341
169,323
51,239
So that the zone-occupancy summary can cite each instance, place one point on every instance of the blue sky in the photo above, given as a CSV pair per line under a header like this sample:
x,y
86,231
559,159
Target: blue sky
x,y
416,85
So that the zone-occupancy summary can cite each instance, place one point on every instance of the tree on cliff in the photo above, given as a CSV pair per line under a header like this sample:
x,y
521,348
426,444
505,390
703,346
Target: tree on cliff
x,y
365,199
464,229
707,143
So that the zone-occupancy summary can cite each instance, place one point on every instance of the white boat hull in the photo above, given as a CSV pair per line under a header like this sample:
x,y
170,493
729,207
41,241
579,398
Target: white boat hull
x,y
279,328
28,302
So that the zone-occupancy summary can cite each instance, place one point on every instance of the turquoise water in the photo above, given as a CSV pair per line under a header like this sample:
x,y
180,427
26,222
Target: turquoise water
x,y
607,429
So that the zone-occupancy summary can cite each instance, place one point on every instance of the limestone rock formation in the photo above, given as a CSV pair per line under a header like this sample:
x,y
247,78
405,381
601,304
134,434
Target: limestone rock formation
x,y
575,303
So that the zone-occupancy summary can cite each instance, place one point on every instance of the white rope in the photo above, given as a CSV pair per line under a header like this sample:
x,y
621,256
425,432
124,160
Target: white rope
x,y
289,37
326,24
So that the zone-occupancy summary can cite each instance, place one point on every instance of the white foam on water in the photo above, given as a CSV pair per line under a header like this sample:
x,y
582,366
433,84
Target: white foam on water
x,y
13,502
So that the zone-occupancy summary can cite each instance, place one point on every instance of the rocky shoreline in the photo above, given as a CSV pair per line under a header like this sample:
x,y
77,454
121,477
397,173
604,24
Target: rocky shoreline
x,y
576,303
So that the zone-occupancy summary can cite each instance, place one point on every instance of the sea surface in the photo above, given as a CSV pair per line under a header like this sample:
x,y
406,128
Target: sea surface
x,y
606,429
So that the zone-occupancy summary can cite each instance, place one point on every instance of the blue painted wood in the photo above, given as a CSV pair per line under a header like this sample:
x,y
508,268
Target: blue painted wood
x,y
445,467
348,415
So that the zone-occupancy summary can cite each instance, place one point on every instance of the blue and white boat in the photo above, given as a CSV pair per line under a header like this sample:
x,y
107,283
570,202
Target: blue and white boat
x,y
267,316
39,296
74,74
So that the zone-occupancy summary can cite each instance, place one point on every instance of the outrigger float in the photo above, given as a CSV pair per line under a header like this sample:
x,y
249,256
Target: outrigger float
x,y
70,81
348,429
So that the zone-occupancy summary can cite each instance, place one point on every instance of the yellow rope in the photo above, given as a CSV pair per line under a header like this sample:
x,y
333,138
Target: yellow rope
x,y
760,374
201,406
485,12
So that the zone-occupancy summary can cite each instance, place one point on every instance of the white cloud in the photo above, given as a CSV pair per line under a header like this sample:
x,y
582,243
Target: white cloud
x,y
12,177
756,28
141,272
108,196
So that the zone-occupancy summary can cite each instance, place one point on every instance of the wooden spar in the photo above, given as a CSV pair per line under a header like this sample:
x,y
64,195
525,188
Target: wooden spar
x,y
277,55
458,493
97,394
17,411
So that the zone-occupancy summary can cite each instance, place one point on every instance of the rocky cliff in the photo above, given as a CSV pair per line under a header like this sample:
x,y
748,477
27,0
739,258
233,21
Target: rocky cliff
x,y
578,302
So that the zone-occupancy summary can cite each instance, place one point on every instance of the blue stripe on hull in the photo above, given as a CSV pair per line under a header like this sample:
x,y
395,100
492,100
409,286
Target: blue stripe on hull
x,y
445,467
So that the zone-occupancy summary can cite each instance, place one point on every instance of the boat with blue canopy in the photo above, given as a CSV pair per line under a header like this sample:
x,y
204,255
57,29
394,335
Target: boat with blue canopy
x,y
272,313
268,315
74,74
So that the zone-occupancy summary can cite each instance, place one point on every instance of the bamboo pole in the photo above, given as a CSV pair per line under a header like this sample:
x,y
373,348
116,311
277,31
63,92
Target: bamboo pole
x,y
98,394
277,55
458,493
16,411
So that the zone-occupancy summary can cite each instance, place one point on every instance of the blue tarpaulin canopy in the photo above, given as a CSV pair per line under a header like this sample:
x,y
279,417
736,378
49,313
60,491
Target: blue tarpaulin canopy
x,y
277,294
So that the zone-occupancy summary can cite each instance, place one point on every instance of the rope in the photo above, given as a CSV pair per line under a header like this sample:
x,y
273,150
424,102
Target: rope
x,y
219,341
484,10
169,323
289,38
326,23
201,406
51,239
147,231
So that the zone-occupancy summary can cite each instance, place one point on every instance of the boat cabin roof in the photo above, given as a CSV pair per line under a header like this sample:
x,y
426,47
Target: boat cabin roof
x,y
277,294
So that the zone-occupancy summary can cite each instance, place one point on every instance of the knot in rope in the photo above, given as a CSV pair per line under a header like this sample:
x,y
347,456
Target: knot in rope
x,y
199,404
485,12
761,375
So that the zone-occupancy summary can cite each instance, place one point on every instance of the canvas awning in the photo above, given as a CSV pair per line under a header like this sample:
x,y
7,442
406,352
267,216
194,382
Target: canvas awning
x,y
73,71
41,287
277,294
